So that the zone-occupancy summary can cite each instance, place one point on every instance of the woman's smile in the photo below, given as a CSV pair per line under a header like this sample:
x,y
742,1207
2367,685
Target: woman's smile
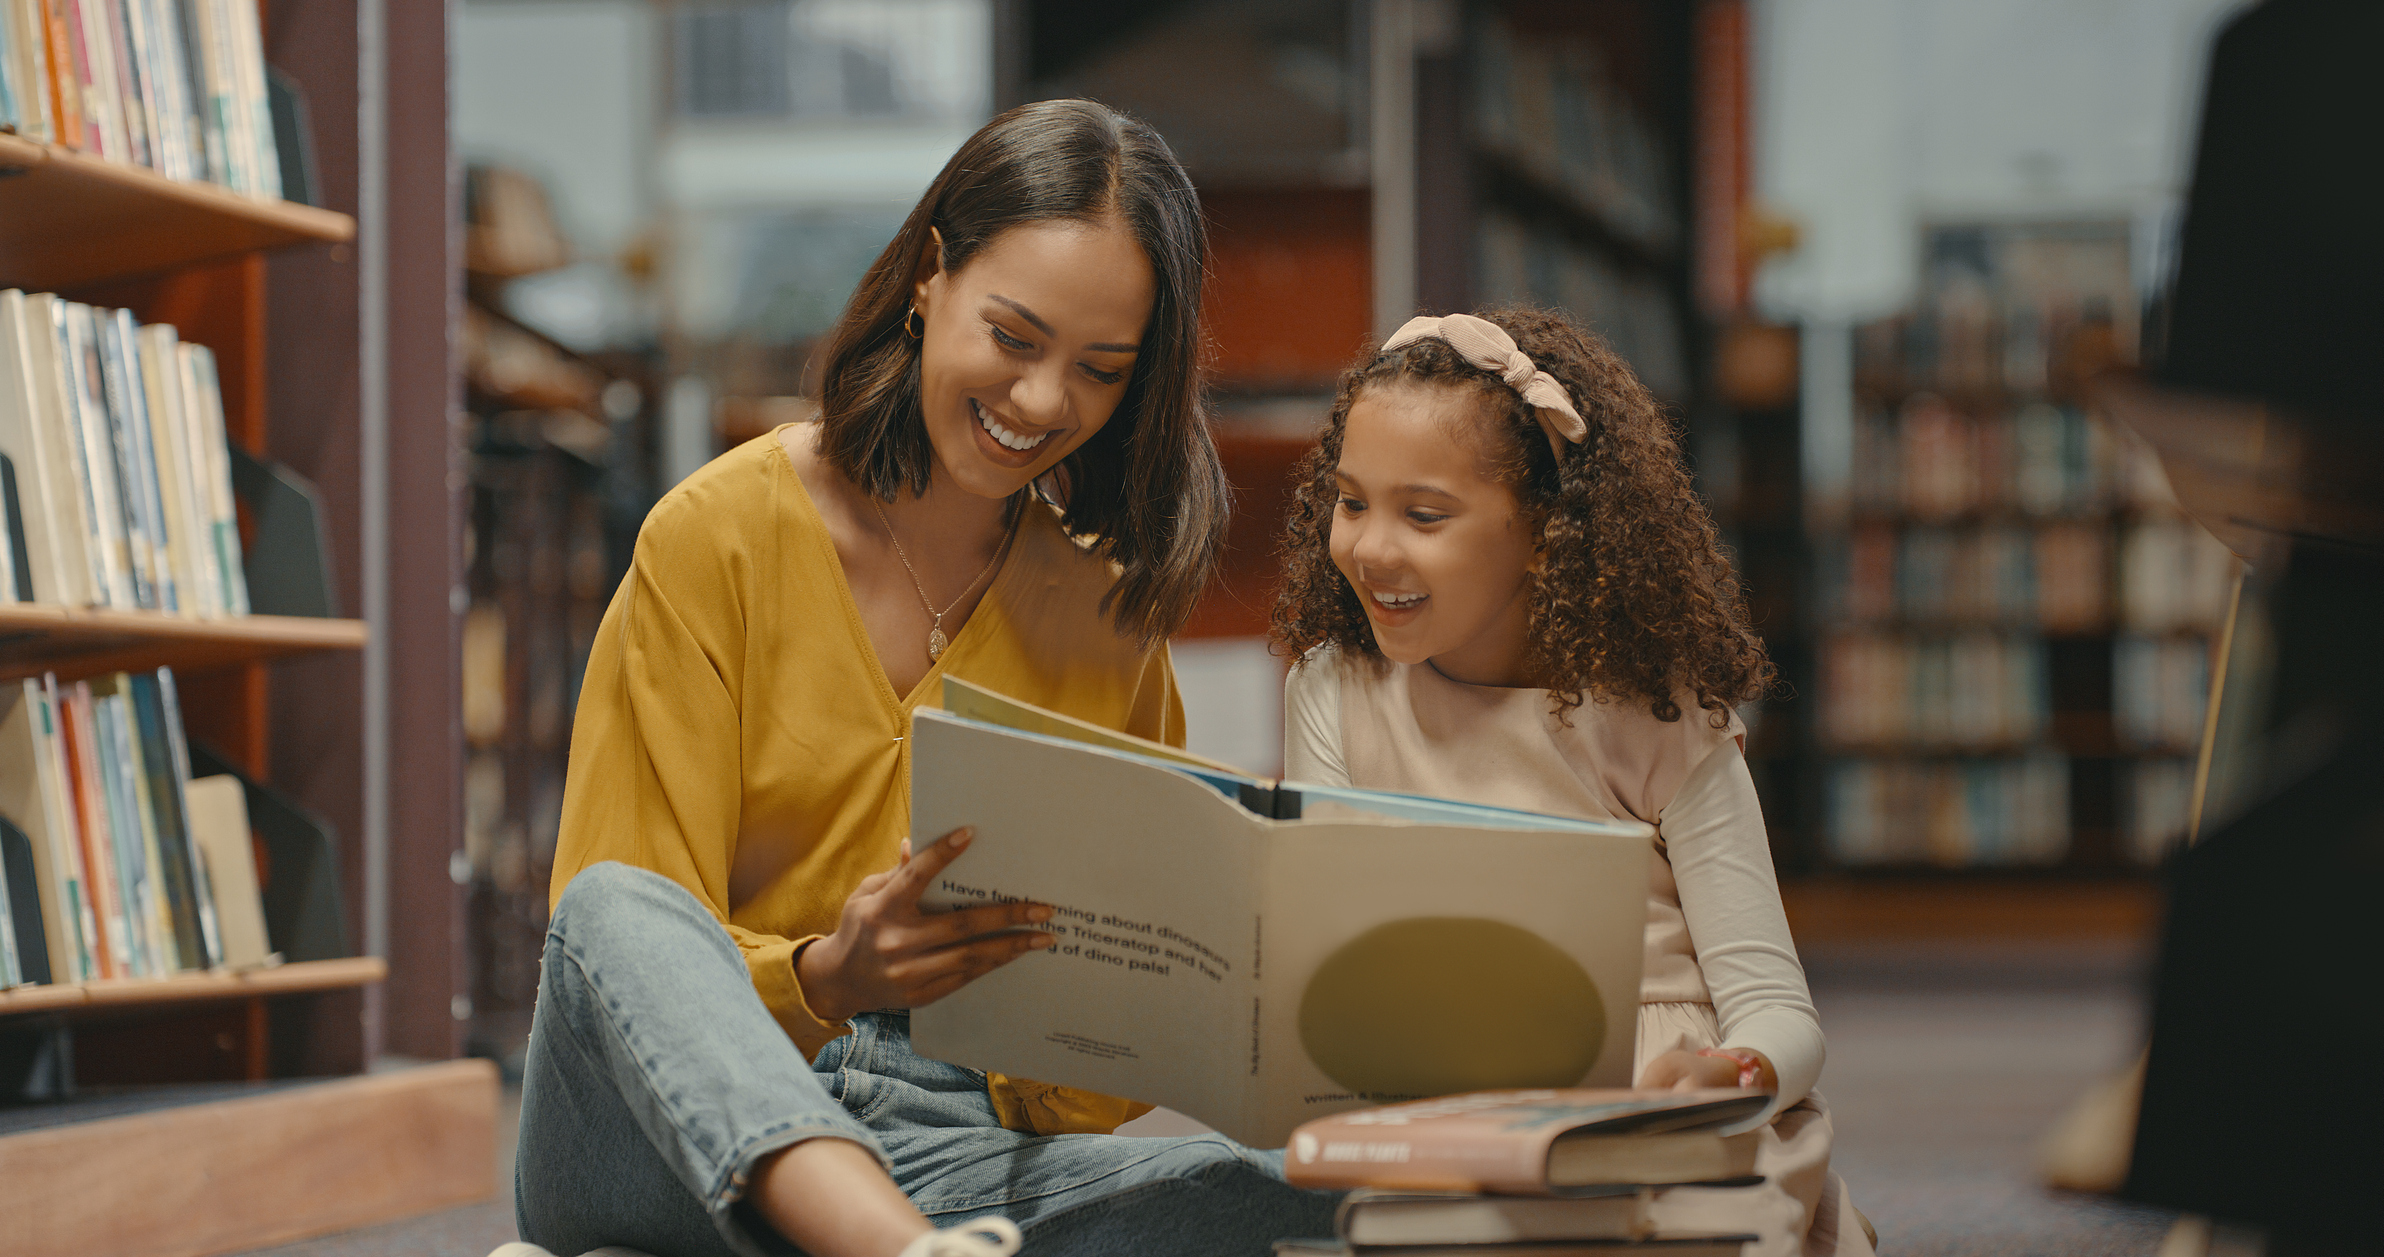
x,y
1013,443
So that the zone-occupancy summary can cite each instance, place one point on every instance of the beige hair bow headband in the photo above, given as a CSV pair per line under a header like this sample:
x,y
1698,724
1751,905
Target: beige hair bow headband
x,y
1486,345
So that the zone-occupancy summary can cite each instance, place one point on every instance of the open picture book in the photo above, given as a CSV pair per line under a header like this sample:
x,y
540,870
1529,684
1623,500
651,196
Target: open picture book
x,y
1256,953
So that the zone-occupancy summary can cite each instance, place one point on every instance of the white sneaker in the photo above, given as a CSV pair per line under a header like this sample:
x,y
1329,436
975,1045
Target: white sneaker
x,y
978,1237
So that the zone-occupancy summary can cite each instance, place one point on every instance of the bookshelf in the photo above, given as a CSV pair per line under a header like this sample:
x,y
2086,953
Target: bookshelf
x,y
82,641
2009,623
192,255
68,220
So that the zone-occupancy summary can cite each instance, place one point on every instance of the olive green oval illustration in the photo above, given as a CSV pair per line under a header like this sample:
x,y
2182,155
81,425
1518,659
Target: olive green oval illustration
x,y
1429,1006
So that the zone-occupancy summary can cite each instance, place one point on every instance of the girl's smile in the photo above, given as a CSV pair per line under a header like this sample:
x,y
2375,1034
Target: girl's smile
x,y
1438,552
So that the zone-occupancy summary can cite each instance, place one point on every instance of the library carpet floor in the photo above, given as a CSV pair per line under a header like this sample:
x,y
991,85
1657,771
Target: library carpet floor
x,y
1946,1066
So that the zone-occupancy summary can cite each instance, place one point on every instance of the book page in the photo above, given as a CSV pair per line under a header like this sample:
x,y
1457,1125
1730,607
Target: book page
x,y
1155,879
975,702
1411,960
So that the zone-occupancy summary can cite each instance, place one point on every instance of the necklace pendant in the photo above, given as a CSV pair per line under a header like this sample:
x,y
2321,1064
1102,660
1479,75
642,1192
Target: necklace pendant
x,y
936,642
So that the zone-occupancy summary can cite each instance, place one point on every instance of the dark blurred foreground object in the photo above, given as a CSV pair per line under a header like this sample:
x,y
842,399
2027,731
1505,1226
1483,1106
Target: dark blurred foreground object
x,y
2268,412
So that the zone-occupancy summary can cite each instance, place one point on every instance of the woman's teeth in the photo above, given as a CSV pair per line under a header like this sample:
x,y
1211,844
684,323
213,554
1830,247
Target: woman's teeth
x,y
1010,440
1398,602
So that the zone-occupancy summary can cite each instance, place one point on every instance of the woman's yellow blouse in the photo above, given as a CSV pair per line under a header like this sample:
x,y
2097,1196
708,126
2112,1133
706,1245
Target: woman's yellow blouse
x,y
736,734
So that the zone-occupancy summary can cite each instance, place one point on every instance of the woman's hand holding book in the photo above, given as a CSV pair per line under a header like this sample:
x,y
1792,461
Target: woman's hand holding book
x,y
887,953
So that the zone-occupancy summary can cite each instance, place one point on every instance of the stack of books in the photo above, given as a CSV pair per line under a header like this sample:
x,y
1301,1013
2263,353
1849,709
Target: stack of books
x,y
1552,1173
115,464
178,86
110,854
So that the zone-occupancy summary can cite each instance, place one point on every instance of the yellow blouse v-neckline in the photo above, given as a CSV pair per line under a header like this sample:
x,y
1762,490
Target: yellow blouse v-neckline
x,y
969,632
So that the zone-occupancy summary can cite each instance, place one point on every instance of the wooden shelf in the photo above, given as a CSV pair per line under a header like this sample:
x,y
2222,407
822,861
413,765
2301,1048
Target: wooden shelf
x,y
118,994
68,219
38,637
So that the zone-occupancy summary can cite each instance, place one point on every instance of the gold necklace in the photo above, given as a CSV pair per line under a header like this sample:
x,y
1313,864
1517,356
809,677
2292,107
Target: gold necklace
x,y
937,643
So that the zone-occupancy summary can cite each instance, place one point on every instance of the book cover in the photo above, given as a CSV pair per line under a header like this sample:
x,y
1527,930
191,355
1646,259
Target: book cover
x,y
31,932
1530,1141
18,584
1257,972
219,825
79,754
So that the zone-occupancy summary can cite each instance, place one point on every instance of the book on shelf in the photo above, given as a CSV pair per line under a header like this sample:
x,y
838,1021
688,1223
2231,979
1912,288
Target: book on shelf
x,y
1975,689
1533,1142
96,776
1247,951
178,86
124,480
20,898
1975,811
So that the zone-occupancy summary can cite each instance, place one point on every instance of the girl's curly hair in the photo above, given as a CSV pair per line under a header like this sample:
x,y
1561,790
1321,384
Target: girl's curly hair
x,y
1634,598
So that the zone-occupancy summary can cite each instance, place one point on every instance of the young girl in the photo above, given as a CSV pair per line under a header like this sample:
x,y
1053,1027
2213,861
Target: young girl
x,y
1500,588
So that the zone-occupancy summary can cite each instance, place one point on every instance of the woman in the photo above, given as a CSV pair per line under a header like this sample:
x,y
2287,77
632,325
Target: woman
x,y
739,759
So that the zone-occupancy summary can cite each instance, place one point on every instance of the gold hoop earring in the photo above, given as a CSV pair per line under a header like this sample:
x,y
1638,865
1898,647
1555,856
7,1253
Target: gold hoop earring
x,y
906,324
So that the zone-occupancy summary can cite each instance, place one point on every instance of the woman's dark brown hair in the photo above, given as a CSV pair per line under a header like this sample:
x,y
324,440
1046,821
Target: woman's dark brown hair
x,y
1147,489
1634,599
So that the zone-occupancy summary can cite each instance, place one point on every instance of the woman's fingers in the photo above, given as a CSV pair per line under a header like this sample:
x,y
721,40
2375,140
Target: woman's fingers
x,y
964,962
912,878
943,928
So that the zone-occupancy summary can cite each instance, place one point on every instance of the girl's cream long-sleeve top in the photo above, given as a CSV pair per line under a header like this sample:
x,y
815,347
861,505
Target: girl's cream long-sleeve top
x,y
736,734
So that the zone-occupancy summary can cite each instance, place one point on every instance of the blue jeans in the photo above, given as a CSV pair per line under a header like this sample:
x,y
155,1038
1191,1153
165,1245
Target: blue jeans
x,y
656,1080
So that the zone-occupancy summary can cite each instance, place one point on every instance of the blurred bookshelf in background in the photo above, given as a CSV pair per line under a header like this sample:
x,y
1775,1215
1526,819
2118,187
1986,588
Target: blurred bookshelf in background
x,y
2012,620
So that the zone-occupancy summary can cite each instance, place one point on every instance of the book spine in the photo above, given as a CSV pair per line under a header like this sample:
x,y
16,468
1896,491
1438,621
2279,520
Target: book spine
x,y
206,135
66,92
95,66
216,440
177,757
142,909
11,972
23,433
11,70
132,786
80,580
81,764
248,31
136,480
132,86
37,120
198,470
162,804
173,75
20,783
64,832
160,380
86,389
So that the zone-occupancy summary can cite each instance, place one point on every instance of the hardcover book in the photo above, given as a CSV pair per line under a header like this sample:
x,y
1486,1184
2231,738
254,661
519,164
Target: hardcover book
x,y
1257,953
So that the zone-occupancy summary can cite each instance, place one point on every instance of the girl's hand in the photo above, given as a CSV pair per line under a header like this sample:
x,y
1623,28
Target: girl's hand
x,y
1680,1070
886,953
